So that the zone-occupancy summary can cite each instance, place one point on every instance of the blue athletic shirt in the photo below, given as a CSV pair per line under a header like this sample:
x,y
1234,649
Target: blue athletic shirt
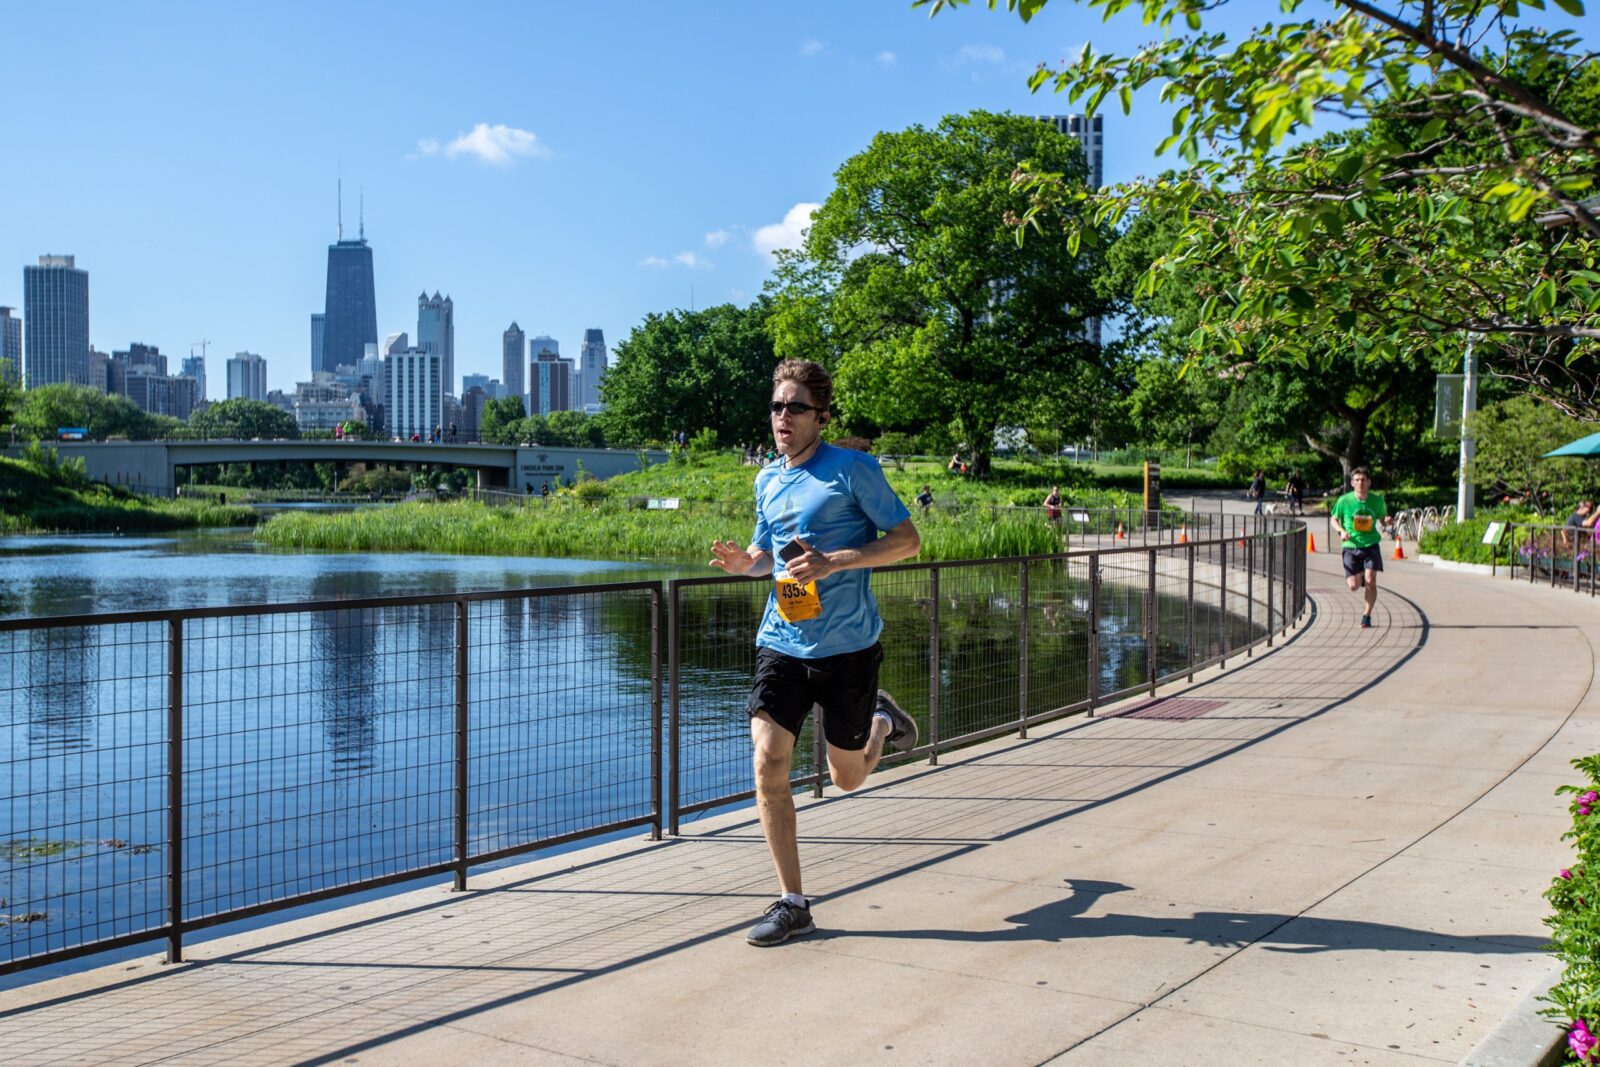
x,y
837,499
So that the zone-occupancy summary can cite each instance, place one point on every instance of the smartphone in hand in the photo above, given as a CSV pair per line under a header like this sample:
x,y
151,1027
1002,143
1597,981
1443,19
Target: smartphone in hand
x,y
793,550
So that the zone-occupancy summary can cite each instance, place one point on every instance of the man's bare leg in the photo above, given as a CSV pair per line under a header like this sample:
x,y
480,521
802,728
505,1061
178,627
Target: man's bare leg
x,y
1372,589
850,769
774,755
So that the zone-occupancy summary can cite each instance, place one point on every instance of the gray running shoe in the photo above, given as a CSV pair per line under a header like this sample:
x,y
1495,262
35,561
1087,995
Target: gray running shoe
x,y
782,921
903,728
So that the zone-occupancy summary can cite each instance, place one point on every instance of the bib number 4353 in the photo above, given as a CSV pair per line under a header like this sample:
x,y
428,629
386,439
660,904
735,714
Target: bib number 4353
x,y
797,602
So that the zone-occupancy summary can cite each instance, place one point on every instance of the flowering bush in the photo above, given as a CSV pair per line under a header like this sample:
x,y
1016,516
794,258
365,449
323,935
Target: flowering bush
x,y
1574,894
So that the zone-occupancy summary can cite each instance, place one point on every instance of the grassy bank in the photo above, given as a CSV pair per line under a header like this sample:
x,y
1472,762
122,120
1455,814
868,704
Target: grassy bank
x,y
37,495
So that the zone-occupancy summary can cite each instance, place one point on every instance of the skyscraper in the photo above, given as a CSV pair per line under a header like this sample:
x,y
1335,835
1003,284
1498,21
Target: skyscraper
x,y
350,310
1088,132
414,405
591,368
549,383
511,362
318,322
543,343
195,367
247,377
10,347
436,332
55,300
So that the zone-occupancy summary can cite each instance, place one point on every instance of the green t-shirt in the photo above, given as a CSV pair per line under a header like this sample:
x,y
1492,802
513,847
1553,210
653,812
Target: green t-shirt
x,y
1359,519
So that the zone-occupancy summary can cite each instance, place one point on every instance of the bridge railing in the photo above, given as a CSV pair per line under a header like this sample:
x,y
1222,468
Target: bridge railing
x,y
172,770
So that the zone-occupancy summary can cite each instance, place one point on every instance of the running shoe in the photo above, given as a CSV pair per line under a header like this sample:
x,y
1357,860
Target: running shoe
x,y
782,921
902,727
1366,622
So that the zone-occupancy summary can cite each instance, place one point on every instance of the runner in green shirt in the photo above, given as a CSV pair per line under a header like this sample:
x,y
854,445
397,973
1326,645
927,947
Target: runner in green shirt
x,y
1357,517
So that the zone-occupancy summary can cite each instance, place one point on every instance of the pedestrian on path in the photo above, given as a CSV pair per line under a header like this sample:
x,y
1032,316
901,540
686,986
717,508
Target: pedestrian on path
x,y
1258,488
819,509
1295,490
1357,517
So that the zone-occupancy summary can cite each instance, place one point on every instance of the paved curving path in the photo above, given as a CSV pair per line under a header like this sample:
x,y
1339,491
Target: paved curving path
x,y
1330,853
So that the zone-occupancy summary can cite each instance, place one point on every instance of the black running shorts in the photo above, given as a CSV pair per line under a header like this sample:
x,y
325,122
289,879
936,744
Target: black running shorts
x,y
844,686
1357,560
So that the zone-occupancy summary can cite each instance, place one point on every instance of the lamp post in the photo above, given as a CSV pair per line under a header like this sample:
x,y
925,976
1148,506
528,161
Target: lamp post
x,y
1469,404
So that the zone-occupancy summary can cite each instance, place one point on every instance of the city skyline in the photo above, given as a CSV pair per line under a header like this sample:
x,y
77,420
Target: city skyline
x,y
544,194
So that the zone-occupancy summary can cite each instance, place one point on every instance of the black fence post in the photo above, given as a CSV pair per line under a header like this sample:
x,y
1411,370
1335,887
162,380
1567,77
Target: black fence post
x,y
1022,655
655,711
175,790
1094,631
1222,600
674,745
1188,615
461,747
1250,596
1152,622
1271,546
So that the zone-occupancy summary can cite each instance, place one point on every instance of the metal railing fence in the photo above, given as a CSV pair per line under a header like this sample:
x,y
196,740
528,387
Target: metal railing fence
x,y
172,770
1558,555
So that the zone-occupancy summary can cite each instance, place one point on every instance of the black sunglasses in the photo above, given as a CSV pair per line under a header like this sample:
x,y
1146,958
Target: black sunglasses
x,y
793,407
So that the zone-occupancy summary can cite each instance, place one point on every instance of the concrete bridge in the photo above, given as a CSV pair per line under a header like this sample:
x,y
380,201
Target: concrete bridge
x,y
152,466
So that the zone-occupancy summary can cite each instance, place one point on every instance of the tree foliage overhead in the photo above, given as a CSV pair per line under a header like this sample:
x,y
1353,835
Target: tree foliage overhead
x,y
690,370
1419,224
912,288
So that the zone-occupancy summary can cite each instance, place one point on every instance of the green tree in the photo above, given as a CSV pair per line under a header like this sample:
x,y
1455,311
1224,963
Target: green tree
x,y
500,417
1470,123
692,370
1512,436
242,420
574,429
911,284
47,408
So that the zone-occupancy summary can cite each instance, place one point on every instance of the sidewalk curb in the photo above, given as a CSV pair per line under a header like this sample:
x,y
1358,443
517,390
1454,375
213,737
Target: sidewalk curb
x,y
1454,565
1524,1038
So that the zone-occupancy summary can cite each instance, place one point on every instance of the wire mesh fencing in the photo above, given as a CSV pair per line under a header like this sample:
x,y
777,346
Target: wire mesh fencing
x,y
169,771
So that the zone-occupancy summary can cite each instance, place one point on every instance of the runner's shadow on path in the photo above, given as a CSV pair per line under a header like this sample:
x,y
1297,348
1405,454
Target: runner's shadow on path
x,y
1063,920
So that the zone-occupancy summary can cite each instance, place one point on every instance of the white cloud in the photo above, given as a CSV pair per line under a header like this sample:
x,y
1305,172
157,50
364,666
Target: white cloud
x,y
786,234
717,238
810,47
980,53
682,259
887,58
497,145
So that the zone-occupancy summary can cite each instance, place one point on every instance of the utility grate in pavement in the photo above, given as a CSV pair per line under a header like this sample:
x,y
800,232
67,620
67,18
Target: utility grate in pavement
x,y
1174,709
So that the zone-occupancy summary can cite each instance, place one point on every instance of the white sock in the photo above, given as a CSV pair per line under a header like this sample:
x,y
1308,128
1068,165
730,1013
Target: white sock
x,y
797,899
888,721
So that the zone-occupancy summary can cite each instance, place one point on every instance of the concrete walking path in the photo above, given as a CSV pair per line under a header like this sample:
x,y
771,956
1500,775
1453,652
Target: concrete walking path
x,y
1332,852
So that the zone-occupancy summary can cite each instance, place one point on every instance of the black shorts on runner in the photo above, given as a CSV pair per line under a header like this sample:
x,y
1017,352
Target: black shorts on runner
x,y
1357,560
845,686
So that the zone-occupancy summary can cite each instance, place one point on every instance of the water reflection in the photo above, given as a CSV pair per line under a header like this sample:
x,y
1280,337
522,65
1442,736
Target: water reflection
x,y
63,697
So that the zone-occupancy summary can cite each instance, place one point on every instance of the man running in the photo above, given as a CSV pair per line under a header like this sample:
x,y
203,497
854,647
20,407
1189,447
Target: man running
x,y
819,510
1356,519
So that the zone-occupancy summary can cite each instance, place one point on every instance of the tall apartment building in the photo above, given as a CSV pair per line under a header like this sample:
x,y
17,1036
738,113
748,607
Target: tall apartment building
x,y
415,401
549,383
436,332
325,402
195,367
511,372
55,302
10,347
591,368
319,323
99,371
1089,133
247,377
159,393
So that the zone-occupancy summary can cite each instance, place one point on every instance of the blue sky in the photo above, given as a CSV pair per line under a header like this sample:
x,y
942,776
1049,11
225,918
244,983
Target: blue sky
x,y
565,165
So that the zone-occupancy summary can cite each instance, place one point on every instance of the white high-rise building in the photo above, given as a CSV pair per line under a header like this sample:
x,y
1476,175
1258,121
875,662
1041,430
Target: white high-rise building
x,y
1089,133
247,377
415,399
591,368
436,333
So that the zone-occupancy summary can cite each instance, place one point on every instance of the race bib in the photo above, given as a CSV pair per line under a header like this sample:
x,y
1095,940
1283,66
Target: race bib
x,y
1361,523
797,602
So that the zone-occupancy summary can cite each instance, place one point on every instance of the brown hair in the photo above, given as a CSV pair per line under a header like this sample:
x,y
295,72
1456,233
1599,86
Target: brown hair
x,y
811,375
1361,470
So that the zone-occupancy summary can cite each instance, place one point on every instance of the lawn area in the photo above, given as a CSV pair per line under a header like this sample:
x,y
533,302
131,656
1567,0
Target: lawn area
x,y
38,495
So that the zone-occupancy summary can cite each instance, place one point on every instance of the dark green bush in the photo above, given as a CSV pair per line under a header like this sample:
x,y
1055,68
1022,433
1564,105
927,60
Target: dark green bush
x,y
1574,922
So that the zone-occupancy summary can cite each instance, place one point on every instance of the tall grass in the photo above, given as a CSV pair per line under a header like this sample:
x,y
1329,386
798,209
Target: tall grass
x,y
609,530
43,496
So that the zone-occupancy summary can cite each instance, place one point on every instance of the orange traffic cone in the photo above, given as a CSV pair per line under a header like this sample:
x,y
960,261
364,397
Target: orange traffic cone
x,y
1122,534
1311,541
1399,548
1183,534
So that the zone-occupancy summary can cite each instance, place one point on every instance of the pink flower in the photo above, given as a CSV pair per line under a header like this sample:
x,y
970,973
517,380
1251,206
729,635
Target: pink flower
x,y
1580,1040
1583,809
1589,798
1566,873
